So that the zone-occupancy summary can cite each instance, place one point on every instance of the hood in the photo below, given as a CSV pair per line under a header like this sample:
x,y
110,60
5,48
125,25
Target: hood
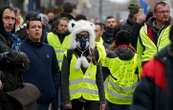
x,y
76,27
2,30
124,53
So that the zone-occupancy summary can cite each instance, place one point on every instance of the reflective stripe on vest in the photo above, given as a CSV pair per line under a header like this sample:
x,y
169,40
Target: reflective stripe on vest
x,y
59,47
83,84
101,49
84,90
127,88
150,48
82,80
119,86
118,95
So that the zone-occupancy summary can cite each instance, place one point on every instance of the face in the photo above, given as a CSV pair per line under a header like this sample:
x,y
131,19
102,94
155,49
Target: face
x,y
111,23
8,18
50,16
139,17
98,31
35,31
63,26
82,40
162,13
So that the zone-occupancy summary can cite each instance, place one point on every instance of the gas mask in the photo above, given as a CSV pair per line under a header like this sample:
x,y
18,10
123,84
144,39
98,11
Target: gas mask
x,y
82,40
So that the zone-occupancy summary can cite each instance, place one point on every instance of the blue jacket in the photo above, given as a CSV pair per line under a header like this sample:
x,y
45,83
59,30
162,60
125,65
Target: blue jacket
x,y
43,69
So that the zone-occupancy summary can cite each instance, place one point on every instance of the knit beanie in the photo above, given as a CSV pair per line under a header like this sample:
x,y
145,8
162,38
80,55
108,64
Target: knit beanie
x,y
133,8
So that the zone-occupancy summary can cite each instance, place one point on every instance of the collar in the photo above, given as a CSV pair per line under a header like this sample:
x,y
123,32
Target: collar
x,y
36,44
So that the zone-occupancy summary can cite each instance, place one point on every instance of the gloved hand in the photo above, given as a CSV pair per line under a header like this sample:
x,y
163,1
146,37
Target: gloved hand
x,y
8,56
20,62
15,61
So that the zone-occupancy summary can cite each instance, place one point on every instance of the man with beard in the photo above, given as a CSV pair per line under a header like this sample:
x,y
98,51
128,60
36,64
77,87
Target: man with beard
x,y
111,28
155,91
154,35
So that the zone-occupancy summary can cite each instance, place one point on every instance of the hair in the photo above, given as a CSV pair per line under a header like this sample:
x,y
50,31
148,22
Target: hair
x,y
80,16
2,30
7,7
133,9
30,14
109,17
33,18
102,26
56,21
159,3
122,37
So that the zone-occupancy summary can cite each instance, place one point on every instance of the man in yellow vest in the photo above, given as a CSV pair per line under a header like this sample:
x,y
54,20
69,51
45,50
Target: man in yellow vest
x,y
154,35
99,29
82,81
60,40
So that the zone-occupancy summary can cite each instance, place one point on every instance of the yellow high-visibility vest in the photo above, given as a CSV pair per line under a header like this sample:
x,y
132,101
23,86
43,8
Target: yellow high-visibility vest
x,y
146,49
83,84
120,85
101,49
59,47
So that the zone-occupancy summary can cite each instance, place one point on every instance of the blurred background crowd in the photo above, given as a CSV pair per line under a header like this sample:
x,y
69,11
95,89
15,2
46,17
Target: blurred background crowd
x,y
94,9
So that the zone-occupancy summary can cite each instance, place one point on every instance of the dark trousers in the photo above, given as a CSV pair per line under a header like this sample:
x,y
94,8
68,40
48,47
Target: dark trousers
x,y
85,105
112,106
41,107
57,103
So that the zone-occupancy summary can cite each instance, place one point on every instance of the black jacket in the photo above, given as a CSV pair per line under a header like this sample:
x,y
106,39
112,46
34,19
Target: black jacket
x,y
10,43
44,69
133,28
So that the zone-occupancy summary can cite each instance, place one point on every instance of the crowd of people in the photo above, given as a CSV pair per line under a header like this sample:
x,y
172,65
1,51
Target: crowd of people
x,y
67,62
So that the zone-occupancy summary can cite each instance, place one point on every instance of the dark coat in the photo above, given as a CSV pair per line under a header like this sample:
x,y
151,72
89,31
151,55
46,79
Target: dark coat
x,y
10,43
44,69
9,103
155,91
133,28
